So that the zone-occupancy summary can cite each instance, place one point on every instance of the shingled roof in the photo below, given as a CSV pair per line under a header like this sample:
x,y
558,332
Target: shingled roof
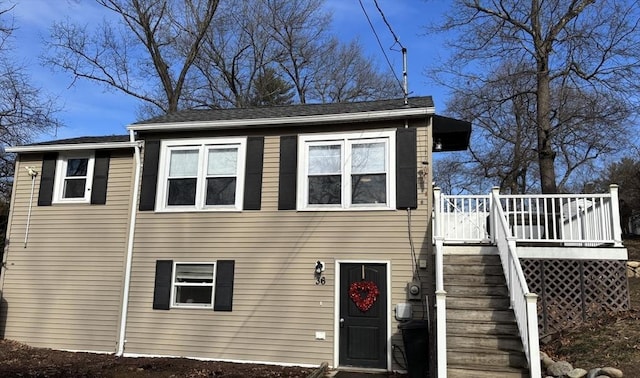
x,y
297,110
86,139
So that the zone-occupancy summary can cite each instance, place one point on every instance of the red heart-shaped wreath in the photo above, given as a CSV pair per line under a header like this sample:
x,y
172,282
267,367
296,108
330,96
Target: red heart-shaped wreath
x,y
364,294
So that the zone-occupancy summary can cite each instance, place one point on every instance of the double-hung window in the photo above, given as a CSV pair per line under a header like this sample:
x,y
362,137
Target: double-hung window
x,y
202,174
193,285
347,171
74,175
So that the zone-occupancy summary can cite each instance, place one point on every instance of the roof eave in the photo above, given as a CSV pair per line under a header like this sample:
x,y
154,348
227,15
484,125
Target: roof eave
x,y
71,147
289,121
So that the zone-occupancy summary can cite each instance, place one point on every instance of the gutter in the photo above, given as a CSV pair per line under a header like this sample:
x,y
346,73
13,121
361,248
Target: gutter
x,y
132,227
72,147
284,121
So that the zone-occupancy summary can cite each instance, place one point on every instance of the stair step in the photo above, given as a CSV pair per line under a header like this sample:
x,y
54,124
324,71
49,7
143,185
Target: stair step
x,y
485,358
477,290
480,315
486,372
471,269
471,280
474,327
471,259
494,303
469,249
483,342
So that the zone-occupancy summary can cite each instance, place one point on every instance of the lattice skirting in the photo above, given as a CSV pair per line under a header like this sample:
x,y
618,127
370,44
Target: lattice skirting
x,y
573,291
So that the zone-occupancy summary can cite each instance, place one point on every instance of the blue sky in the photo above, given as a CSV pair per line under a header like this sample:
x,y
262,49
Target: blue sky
x,y
89,109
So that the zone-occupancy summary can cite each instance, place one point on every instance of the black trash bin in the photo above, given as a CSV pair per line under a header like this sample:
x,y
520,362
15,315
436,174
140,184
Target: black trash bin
x,y
415,335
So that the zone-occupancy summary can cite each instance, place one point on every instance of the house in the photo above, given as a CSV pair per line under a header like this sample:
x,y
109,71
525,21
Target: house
x,y
280,235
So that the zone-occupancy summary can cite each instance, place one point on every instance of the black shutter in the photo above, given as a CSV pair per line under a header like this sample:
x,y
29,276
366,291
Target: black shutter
x,y
406,169
288,172
224,285
100,177
47,178
162,286
149,175
253,173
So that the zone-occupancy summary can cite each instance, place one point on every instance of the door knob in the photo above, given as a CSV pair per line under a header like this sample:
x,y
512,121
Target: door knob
x,y
341,322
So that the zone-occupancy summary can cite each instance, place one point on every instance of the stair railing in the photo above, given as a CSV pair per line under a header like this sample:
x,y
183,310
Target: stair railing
x,y
441,294
523,302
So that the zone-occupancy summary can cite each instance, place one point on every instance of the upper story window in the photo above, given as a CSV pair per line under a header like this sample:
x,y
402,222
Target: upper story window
x,y
201,174
347,171
74,174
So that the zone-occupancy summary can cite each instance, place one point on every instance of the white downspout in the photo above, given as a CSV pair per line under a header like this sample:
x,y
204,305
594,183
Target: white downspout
x,y
32,172
132,228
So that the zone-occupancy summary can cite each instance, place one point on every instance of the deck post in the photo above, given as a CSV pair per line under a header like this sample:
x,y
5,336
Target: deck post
x,y
535,368
493,214
441,333
437,207
615,216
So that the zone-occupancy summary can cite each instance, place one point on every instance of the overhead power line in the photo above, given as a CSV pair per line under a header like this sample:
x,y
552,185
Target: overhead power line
x,y
403,84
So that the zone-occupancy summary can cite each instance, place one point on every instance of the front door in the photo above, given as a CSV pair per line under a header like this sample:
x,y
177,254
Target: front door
x,y
363,315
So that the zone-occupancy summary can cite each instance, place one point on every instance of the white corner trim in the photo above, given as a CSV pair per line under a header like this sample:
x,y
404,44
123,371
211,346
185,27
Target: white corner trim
x,y
315,119
71,147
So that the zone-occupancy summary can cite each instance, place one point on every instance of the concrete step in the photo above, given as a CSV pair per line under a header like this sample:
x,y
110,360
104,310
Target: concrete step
x,y
487,359
486,372
477,290
480,315
469,327
494,303
484,342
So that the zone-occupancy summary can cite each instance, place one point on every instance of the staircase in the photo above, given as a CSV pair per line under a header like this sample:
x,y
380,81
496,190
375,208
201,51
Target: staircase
x,y
482,334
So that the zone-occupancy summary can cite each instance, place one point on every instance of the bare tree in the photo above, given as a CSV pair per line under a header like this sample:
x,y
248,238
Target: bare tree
x,y
291,41
572,50
25,110
345,74
586,127
148,55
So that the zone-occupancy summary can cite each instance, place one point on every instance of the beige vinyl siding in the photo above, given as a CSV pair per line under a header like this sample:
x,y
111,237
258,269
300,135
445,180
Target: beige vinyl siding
x,y
277,307
64,289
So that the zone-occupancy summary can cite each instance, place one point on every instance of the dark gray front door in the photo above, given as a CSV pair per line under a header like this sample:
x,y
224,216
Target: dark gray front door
x,y
363,330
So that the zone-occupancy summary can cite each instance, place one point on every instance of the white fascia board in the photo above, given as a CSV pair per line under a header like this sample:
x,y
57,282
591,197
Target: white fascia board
x,y
316,119
71,147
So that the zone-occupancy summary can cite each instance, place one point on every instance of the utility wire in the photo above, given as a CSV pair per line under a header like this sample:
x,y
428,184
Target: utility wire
x,y
395,37
373,29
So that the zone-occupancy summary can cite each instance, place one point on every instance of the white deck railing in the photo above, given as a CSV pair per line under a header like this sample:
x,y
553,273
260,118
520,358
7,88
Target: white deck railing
x,y
522,301
569,219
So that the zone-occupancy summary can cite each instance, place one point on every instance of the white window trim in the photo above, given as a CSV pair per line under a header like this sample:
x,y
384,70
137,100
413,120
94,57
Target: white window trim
x,y
389,135
201,144
60,175
173,303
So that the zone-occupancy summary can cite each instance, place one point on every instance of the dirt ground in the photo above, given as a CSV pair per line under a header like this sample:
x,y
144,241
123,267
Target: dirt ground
x,y
18,360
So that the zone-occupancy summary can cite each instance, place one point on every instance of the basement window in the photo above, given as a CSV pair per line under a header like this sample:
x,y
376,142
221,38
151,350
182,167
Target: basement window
x,y
193,285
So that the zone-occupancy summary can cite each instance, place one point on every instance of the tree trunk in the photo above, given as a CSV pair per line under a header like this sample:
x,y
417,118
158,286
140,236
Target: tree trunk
x,y
546,155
